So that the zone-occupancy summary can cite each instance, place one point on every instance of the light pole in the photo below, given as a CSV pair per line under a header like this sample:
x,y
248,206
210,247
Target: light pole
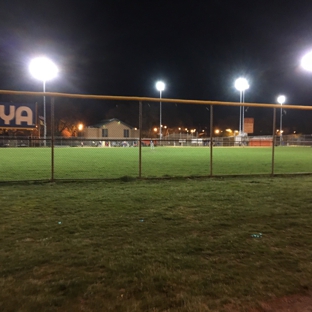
x,y
80,128
241,84
281,99
43,69
160,86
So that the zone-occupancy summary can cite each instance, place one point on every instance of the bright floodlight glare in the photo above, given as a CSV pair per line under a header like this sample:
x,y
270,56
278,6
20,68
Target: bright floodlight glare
x,y
160,86
43,69
306,61
281,99
241,84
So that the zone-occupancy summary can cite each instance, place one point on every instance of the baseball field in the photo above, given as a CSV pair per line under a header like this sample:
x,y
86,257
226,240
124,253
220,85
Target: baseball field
x,y
113,163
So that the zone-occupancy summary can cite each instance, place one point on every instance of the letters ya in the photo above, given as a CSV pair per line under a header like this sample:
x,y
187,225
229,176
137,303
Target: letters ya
x,y
21,114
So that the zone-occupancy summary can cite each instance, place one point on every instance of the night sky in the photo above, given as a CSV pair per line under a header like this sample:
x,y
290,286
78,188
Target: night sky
x,y
198,48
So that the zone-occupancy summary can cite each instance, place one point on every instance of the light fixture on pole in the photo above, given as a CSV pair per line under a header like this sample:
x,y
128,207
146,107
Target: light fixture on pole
x,y
306,61
281,99
80,128
160,86
241,84
43,69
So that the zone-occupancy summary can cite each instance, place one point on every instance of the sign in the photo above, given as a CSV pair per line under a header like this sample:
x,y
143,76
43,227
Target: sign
x,y
17,115
248,125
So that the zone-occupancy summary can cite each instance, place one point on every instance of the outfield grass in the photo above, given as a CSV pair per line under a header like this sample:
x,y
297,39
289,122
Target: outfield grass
x,y
179,245
99,163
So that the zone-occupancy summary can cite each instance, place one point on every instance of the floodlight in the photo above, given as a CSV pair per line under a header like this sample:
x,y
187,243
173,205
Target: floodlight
x,y
281,99
160,86
306,61
43,69
241,84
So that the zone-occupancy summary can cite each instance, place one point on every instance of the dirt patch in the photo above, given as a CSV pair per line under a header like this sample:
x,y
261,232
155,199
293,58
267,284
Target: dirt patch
x,y
294,303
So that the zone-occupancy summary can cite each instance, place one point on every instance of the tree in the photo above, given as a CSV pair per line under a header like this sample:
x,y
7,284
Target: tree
x,y
67,115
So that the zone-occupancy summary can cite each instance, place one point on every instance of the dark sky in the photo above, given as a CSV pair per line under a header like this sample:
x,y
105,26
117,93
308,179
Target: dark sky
x,y
197,48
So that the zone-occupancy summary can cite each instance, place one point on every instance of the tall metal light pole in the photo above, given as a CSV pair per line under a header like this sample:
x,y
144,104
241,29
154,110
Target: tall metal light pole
x,y
43,69
281,99
160,86
241,84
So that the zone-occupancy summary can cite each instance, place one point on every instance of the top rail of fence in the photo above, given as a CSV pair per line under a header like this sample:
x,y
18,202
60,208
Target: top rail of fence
x,y
151,99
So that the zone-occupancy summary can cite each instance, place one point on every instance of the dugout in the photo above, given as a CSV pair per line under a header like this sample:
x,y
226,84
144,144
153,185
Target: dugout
x,y
261,141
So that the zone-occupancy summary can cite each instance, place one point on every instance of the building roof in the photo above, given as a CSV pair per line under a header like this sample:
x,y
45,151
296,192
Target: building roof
x,y
107,121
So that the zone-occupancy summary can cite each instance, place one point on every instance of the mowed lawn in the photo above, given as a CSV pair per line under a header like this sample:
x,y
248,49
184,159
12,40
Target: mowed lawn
x,y
107,163
169,245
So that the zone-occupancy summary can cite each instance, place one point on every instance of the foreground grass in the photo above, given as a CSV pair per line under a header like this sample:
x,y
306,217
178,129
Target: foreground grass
x,y
107,163
154,246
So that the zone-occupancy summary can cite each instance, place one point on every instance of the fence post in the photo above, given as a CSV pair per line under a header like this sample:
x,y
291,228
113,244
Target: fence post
x,y
273,140
52,139
140,139
211,143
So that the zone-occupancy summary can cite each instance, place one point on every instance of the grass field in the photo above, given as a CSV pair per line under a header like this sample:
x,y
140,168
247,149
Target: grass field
x,y
170,245
102,163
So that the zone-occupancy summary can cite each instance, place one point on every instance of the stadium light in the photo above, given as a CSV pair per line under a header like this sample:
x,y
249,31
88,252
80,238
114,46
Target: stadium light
x,y
43,69
241,84
281,99
306,61
80,127
160,86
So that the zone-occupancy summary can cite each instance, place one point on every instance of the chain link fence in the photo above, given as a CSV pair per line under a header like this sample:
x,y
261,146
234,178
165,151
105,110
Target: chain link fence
x,y
139,147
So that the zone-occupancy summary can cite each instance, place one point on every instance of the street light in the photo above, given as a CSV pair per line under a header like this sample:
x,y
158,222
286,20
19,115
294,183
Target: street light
x,y
306,61
43,69
160,86
281,99
241,84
